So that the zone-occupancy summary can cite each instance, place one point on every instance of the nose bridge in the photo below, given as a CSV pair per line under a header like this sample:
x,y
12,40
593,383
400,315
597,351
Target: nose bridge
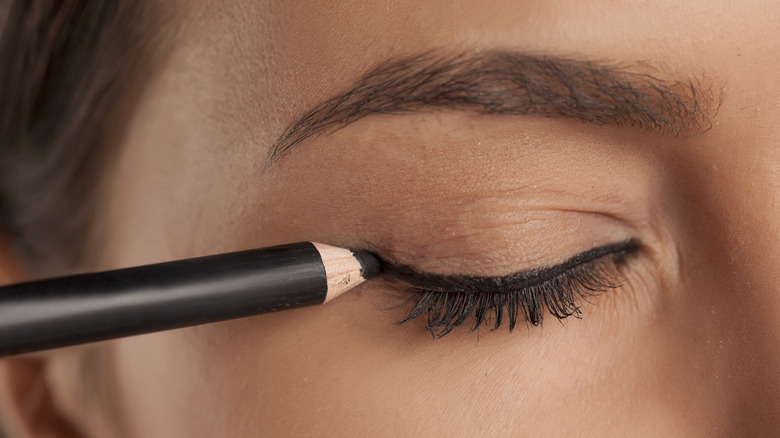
x,y
752,217
744,198
730,250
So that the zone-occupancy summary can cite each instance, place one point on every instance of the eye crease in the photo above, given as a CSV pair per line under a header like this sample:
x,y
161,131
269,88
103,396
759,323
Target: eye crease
x,y
451,300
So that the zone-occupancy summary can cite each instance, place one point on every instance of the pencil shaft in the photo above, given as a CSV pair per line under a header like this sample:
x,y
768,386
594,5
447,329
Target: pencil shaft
x,y
92,307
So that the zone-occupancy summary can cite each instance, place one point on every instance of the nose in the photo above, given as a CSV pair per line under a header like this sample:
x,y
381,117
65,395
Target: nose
x,y
725,195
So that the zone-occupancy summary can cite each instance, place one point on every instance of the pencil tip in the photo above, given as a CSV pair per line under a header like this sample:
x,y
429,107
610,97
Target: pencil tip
x,y
345,268
370,265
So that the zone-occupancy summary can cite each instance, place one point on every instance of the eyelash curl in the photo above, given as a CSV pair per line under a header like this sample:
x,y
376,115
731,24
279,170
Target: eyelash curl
x,y
526,296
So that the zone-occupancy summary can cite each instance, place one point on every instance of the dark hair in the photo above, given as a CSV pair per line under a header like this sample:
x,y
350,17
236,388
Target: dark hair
x,y
67,69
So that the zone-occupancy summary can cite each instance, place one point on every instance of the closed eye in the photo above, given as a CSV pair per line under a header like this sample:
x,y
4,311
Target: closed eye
x,y
450,301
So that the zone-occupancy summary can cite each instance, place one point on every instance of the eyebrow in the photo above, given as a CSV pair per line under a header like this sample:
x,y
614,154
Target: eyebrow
x,y
511,84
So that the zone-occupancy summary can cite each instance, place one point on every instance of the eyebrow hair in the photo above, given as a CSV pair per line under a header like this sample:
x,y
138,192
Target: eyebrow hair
x,y
512,83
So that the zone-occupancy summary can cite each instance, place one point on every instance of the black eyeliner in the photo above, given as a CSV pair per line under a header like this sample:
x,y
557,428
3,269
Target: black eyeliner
x,y
469,284
82,308
449,301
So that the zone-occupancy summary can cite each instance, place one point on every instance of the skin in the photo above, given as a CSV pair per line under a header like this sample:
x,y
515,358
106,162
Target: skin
x,y
687,347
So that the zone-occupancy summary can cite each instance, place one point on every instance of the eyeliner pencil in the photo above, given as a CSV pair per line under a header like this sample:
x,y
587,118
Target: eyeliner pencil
x,y
83,308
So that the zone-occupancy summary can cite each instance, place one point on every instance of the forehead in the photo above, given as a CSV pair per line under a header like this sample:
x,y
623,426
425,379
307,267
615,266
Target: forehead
x,y
291,55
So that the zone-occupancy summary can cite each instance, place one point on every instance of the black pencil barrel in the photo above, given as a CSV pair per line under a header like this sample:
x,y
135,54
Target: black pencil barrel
x,y
93,307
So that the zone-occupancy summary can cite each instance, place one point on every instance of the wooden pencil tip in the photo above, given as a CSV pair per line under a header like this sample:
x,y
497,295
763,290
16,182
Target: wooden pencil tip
x,y
346,269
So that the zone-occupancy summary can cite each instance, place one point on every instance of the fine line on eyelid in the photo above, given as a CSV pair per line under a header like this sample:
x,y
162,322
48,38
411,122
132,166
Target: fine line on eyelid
x,y
519,280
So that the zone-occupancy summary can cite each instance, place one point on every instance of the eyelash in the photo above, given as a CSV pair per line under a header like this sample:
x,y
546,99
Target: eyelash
x,y
557,295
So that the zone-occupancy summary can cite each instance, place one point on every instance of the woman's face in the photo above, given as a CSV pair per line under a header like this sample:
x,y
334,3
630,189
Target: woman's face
x,y
688,346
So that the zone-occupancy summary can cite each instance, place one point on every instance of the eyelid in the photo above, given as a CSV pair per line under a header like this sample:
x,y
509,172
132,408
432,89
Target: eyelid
x,y
452,299
461,283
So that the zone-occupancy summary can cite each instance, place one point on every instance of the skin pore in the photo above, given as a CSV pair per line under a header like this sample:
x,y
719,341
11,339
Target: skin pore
x,y
687,346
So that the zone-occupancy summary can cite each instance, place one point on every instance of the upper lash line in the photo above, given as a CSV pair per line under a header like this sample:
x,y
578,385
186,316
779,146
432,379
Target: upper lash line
x,y
519,280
